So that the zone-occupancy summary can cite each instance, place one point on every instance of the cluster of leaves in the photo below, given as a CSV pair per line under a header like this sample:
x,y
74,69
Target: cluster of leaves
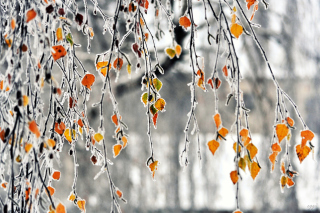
x,y
36,38
246,151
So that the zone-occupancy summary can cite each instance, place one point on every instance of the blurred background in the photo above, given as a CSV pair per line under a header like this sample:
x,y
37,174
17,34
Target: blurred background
x,y
290,36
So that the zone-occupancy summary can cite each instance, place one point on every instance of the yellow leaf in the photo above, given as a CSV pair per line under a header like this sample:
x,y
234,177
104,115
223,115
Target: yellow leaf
x,y
242,164
98,137
160,104
170,52
67,135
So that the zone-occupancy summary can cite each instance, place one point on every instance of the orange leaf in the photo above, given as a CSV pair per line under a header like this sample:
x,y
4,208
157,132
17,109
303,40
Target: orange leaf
x,y
59,127
236,30
244,133
272,159
234,176
59,34
290,121
58,52
178,50
250,3
225,71
51,143
306,135
114,119
124,139
153,167
185,22
82,205
119,193
290,182
210,82
102,66
25,100
31,14
117,64
88,80
34,128
51,190
154,119
237,211
282,131
72,197
28,147
252,150
235,147
80,123
60,208
276,147
302,152
223,132
255,169
213,146
160,104
56,175
217,120
13,23
116,150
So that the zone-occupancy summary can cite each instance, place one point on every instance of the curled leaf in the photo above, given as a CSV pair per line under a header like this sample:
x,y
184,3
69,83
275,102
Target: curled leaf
x,y
153,168
217,120
81,205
